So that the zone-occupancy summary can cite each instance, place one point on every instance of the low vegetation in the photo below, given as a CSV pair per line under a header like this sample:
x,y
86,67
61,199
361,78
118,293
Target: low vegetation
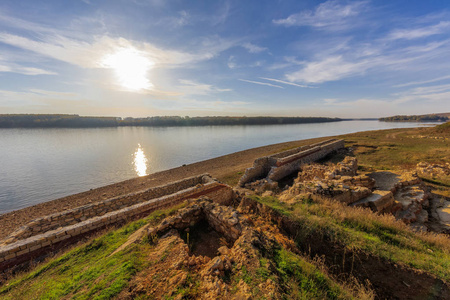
x,y
358,230
87,271
400,148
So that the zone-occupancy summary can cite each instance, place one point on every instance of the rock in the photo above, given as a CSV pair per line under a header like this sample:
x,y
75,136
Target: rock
x,y
267,194
223,250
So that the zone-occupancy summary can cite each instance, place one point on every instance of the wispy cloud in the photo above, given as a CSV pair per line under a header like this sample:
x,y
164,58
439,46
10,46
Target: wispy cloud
x,y
190,87
423,82
331,15
409,34
222,14
288,61
90,54
349,57
328,69
12,68
262,83
53,93
285,82
252,48
182,18
232,62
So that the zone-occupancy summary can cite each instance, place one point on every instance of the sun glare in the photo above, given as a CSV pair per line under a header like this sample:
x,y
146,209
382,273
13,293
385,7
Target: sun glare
x,y
131,68
140,161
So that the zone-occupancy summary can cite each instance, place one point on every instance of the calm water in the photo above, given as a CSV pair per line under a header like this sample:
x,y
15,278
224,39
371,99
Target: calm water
x,y
38,165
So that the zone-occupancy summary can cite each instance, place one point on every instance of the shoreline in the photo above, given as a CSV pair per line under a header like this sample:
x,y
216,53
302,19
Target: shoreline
x,y
221,167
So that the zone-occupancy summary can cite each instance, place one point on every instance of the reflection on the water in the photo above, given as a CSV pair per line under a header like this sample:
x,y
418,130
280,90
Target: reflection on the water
x,y
140,161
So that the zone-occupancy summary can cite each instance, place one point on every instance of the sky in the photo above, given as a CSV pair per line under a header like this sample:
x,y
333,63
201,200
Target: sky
x,y
139,58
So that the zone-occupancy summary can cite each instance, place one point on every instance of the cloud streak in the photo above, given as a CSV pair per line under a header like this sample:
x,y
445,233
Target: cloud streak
x,y
409,34
328,15
285,82
262,83
189,87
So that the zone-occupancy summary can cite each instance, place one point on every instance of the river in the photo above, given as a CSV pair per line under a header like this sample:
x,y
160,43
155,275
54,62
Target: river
x,y
38,165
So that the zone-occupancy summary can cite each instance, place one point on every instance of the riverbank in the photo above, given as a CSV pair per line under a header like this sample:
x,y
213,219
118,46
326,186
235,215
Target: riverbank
x,y
226,168
381,149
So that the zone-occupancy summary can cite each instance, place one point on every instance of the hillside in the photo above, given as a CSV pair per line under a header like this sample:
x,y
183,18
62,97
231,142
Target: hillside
x,y
268,244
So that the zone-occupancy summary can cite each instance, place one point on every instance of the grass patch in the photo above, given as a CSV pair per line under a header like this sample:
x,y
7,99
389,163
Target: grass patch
x,y
87,271
400,148
359,229
304,280
231,179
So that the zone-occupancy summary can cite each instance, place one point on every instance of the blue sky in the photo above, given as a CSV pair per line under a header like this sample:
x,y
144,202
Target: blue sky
x,y
202,58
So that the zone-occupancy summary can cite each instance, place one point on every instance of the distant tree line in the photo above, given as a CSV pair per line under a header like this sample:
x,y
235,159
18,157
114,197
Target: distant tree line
x,y
418,118
210,121
55,121
76,121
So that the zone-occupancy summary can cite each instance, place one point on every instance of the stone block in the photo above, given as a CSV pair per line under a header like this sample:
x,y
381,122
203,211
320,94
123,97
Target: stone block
x,y
10,256
22,252
35,247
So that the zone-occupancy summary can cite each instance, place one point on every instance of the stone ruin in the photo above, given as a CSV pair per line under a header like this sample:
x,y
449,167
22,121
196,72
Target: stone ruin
x,y
44,235
440,206
242,247
433,170
267,171
403,195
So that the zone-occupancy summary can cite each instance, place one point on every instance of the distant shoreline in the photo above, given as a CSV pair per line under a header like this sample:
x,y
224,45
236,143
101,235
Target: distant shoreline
x,y
76,121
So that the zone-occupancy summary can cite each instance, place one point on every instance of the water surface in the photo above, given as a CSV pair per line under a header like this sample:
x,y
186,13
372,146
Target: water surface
x,y
38,165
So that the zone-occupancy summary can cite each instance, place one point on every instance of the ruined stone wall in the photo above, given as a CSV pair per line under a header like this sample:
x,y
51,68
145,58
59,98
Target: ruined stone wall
x,y
82,213
22,250
224,219
279,165
293,163
260,169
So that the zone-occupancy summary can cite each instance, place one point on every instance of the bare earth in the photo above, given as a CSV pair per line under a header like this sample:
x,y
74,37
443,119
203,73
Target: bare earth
x,y
222,167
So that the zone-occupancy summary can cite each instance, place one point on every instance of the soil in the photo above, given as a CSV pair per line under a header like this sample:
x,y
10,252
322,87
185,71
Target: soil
x,y
203,240
222,167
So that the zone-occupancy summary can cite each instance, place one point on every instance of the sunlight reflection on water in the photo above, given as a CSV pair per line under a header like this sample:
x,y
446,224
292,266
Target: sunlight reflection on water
x,y
140,161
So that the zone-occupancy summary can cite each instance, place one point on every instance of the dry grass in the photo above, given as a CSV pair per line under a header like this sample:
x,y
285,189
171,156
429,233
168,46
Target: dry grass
x,y
359,229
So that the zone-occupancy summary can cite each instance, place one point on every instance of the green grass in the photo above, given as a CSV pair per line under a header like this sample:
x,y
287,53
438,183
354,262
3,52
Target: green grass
x,y
305,280
88,271
231,179
296,277
400,148
359,230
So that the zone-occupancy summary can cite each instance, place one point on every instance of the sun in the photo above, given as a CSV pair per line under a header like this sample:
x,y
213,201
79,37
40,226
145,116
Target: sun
x,y
130,67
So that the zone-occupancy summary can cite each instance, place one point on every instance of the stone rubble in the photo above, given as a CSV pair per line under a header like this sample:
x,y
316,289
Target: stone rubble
x,y
433,170
406,199
245,252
